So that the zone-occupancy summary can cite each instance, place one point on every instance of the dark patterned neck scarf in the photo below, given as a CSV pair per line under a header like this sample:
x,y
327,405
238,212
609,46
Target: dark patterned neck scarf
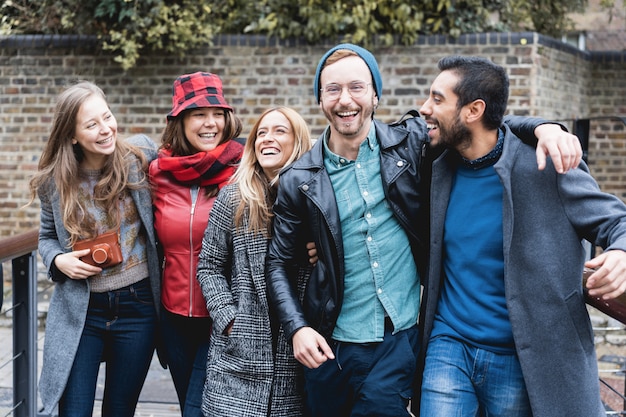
x,y
490,159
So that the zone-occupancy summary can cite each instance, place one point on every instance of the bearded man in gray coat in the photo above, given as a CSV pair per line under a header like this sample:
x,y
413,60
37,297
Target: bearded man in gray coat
x,y
505,326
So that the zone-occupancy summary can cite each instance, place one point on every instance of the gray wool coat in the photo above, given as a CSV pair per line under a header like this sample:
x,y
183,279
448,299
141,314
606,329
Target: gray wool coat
x,y
545,216
68,305
246,375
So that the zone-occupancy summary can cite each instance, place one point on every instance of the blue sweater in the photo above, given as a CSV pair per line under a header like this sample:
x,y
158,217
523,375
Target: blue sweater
x,y
472,306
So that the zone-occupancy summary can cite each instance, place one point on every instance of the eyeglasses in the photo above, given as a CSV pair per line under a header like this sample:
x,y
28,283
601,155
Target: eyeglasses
x,y
356,89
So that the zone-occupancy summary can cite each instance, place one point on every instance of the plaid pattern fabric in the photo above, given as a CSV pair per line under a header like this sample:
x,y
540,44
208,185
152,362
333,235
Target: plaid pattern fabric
x,y
246,375
214,167
200,89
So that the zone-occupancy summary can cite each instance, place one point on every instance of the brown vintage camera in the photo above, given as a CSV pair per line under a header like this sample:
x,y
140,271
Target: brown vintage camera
x,y
105,249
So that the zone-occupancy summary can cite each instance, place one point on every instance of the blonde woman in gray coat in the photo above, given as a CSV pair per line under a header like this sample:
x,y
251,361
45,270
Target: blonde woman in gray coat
x,y
89,182
251,370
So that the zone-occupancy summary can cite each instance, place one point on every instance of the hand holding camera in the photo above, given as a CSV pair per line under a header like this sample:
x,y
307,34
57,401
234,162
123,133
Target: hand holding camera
x,y
106,250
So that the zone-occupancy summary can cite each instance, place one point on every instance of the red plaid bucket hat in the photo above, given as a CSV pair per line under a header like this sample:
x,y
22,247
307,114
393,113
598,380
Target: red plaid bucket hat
x,y
200,89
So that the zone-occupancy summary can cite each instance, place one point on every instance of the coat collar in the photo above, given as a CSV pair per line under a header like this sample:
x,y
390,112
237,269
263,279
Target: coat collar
x,y
387,136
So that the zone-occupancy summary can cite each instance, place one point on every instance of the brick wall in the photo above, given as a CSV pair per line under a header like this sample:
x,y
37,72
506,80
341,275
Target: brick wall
x,y
548,79
606,98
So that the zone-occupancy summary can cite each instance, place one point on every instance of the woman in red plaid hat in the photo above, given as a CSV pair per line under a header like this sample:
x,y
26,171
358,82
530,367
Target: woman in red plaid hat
x,y
198,154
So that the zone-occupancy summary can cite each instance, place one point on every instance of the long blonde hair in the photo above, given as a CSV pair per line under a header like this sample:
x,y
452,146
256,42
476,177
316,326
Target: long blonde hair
x,y
256,190
60,161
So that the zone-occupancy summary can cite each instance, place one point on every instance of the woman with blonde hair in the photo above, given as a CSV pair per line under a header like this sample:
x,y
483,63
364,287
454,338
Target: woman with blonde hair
x,y
251,370
90,182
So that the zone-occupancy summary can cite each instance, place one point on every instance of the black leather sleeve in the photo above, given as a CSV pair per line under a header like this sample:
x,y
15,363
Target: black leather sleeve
x,y
524,127
280,258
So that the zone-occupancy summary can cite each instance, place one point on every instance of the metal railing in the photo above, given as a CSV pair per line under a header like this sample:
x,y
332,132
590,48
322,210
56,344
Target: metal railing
x,y
20,250
613,374
25,313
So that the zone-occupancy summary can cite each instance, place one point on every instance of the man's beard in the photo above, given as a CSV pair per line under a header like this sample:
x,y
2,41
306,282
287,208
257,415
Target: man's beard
x,y
456,135
355,126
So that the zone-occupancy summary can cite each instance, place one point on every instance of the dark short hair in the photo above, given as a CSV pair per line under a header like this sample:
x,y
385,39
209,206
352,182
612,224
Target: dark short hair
x,y
480,78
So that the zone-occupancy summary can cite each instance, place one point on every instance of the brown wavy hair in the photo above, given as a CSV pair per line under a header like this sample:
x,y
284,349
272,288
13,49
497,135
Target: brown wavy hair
x,y
60,161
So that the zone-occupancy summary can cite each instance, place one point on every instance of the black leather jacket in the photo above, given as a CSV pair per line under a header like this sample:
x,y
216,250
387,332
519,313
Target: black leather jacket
x,y
306,210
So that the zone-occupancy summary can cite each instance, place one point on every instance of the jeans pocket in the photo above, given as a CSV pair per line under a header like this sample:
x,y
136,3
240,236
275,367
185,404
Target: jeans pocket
x,y
141,292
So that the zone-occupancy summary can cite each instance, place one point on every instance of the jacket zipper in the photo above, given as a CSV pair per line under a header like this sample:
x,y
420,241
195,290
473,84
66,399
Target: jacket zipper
x,y
194,190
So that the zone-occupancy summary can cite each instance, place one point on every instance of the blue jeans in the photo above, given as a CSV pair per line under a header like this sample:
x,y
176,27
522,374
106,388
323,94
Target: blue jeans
x,y
461,380
186,345
119,330
365,379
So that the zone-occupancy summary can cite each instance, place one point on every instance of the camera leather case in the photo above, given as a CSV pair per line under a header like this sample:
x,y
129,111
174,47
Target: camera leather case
x,y
105,249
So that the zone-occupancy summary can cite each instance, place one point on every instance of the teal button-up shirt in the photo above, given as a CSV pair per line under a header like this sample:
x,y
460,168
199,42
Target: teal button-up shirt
x,y
381,278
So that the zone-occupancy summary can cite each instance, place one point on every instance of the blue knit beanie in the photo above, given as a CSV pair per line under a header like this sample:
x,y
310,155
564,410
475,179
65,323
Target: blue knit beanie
x,y
364,54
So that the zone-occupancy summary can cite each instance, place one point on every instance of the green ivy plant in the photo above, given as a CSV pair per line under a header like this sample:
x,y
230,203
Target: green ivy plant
x,y
156,25
131,28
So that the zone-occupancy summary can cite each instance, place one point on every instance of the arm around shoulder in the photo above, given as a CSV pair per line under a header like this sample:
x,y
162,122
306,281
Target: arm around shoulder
x,y
549,139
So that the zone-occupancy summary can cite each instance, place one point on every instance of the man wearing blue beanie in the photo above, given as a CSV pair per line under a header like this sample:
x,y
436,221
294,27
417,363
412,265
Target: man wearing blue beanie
x,y
364,54
359,195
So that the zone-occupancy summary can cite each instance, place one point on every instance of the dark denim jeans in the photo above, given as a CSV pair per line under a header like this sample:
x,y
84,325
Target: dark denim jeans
x,y
119,330
186,344
365,379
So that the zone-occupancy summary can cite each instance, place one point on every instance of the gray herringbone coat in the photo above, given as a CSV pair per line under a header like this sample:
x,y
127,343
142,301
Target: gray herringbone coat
x,y
70,299
246,376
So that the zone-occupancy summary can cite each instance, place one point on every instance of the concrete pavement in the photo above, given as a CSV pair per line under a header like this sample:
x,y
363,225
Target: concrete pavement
x,y
158,397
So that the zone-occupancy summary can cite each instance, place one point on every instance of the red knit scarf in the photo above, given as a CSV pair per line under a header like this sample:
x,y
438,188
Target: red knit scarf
x,y
214,167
